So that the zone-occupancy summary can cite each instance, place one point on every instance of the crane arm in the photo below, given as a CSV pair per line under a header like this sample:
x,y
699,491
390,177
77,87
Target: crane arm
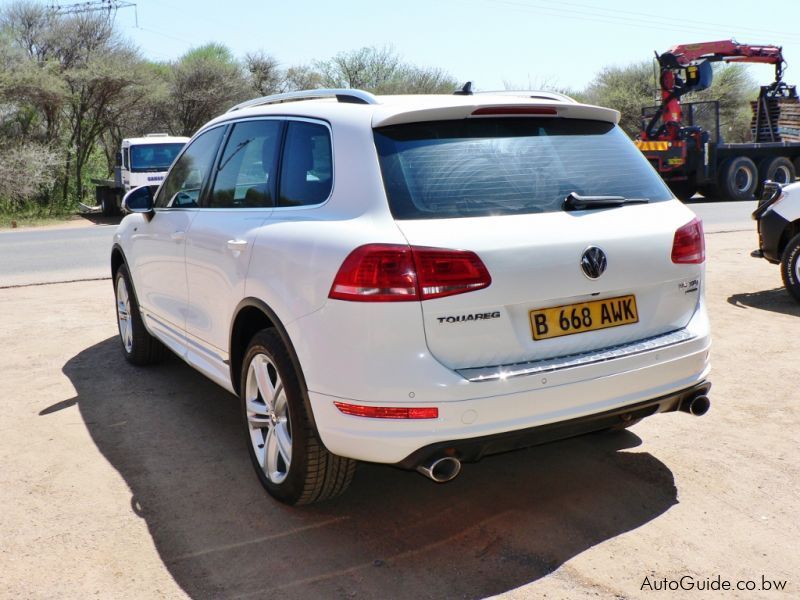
x,y
724,50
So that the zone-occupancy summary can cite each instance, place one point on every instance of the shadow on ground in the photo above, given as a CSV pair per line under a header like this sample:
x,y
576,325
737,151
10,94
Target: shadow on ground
x,y
100,219
505,522
777,300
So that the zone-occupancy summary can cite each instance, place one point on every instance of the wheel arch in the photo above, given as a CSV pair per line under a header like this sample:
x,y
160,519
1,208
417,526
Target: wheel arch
x,y
117,260
791,230
251,316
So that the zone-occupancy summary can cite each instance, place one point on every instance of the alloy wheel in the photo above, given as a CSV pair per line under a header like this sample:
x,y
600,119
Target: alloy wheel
x,y
268,418
124,315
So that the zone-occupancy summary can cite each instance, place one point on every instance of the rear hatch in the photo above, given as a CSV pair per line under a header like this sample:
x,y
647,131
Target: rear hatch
x,y
497,187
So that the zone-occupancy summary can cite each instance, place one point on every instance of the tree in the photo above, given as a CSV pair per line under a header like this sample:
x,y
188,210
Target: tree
x,y
302,77
380,70
626,89
204,82
265,75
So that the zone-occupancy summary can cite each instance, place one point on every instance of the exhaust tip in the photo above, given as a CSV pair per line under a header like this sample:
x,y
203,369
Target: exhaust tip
x,y
442,469
697,406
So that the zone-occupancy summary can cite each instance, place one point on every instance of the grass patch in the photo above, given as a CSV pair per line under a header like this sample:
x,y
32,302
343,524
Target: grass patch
x,y
32,215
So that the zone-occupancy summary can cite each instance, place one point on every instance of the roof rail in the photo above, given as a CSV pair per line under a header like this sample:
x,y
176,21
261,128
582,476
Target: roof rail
x,y
342,95
537,94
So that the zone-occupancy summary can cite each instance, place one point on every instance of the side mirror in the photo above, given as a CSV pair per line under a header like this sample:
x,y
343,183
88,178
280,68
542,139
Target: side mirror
x,y
118,159
140,200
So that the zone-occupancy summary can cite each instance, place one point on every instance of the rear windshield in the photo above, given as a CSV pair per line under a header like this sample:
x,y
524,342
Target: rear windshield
x,y
503,166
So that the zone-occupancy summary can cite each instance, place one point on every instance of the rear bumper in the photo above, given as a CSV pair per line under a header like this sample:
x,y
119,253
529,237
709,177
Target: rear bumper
x,y
570,402
474,449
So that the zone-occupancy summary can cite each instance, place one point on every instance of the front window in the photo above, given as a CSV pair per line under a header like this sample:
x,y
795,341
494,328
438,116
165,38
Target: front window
x,y
152,158
184,183
503,166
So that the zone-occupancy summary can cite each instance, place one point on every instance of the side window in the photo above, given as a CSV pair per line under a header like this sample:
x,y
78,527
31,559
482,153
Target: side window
x,y
182,187
246,174
307,168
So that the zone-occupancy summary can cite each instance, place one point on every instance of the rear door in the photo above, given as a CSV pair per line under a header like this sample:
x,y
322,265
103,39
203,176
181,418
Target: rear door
x,y
497,187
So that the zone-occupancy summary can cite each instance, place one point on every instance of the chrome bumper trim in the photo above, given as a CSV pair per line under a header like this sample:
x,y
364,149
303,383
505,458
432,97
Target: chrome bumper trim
x,y
535,367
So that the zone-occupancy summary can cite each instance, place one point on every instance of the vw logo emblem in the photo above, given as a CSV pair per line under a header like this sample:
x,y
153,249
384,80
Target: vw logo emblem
x,y
593,262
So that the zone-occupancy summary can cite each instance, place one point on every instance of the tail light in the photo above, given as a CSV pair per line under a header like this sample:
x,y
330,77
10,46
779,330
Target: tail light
x,y
398,273
388,412
688,246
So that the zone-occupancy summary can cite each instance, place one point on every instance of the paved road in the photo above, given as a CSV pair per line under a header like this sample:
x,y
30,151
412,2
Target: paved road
x,y
81,252
724,216
51,255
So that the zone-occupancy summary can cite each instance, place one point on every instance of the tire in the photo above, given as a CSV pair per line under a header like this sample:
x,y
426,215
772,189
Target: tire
x,y
683,190
779,169
108,203
139,347
790,267
738,179
290,460
796,163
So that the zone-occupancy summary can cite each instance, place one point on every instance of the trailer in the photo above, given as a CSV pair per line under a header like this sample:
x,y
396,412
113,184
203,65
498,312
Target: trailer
x,y
140,161
683,140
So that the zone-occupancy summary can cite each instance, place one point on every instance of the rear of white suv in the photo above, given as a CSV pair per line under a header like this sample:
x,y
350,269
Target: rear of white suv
x,y
485,273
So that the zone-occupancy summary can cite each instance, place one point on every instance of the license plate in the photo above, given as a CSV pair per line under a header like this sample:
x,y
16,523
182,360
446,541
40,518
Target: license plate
x,y
585,316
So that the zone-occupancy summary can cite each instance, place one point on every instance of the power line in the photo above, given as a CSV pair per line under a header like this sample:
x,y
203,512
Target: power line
x,y
618,17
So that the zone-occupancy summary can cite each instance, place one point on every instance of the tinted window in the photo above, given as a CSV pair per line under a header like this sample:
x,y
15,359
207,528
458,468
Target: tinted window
x,y
480,167
184,183
307,168
153,157
246,175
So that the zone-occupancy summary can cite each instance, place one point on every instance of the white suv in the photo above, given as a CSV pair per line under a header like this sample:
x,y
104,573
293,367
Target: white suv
x,y
416,280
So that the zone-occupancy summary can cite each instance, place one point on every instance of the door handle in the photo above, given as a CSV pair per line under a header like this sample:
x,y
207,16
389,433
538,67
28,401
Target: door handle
x,y
237,245
177,236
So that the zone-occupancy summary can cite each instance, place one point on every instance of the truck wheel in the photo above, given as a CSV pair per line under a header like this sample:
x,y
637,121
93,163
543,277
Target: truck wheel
x,y
790,267
285,449
140,348
683,190
108,203
738,178
779,169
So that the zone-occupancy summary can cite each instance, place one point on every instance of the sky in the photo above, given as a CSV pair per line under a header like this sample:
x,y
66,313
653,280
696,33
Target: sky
x,y
494,43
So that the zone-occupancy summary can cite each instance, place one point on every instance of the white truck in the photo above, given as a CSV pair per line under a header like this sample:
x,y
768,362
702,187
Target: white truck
x,y
140,161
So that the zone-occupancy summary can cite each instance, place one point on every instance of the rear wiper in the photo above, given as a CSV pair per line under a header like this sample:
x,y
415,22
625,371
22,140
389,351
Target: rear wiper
x,y
577,202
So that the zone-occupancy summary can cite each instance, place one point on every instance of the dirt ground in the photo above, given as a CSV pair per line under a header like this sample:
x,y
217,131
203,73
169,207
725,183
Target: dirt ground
x,y
117,482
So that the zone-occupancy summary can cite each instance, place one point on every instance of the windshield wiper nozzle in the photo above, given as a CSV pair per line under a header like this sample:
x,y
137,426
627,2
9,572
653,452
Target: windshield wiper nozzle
x,y
577,202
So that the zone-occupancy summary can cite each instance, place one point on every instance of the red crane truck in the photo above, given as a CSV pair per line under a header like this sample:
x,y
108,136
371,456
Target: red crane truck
x,y
692,157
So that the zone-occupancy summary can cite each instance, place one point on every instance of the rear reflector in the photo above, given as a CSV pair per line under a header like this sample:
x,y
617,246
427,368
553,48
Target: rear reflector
x,y
397,273
688,246
514,110
387,412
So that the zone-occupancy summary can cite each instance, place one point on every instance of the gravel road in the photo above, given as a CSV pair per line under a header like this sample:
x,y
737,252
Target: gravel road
x,y
123,483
